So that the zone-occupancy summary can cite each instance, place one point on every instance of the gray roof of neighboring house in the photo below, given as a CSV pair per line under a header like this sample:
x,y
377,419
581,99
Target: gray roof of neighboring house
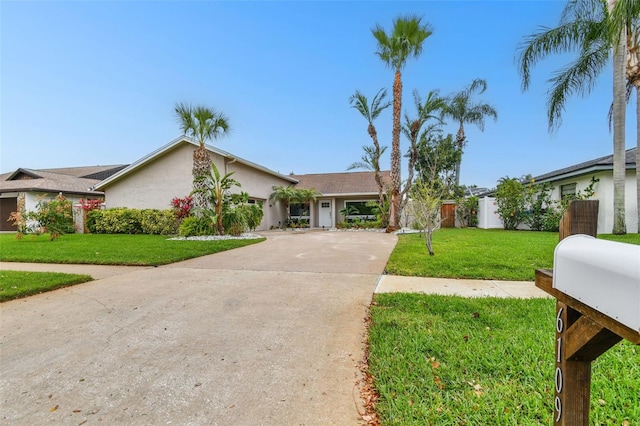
x,y
72,180
598,164
347,183
172,145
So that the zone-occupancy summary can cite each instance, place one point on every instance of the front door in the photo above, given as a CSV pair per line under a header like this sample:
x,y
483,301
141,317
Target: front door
x,y
325,215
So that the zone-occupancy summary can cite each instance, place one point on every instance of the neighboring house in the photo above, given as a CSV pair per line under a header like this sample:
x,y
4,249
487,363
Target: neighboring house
x,y
571,180
154,180
339,190
30,186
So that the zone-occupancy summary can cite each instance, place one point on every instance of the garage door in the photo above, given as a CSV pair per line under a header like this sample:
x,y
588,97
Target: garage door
x,y
7,206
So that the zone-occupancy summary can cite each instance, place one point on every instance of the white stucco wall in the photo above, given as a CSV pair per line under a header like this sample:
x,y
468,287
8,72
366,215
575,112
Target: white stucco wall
x,y
154,184
603,193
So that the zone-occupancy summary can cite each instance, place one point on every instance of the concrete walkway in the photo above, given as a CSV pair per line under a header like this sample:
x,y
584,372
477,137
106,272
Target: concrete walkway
x,y
266,334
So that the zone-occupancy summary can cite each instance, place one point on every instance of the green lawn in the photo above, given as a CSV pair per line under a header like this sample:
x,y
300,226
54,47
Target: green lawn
x,y
480,254
439,360
109,249
17,284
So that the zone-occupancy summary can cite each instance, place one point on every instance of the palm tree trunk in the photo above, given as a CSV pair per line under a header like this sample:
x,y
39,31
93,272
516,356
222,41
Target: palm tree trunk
x,y
376,167
638,158
201,166
394,219
619,166
460,137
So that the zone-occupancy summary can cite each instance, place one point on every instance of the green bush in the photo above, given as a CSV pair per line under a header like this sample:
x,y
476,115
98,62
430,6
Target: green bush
x,y
467,211
131,221
193,226
158,222
510,198
254,214
234,220
56,216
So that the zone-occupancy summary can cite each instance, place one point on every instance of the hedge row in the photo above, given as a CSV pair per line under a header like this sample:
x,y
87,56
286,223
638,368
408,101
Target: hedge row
x,y
132,221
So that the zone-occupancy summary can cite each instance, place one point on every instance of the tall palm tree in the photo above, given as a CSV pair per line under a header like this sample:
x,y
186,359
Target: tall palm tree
x,y
429,109
586,26
372,156
202,124
462,109
394,49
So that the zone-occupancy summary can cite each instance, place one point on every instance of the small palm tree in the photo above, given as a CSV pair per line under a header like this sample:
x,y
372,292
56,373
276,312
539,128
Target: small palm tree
x,y
462,109
394,49
214,188
202,124
286,194
370,160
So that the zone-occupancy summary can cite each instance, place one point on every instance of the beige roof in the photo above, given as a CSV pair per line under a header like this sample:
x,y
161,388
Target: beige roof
x,y
348,183
75,180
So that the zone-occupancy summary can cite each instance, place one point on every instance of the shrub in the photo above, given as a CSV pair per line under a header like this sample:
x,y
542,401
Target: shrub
x,y
56,217
182,206
193,226
158,222
510,198
253,214
131,221
467,211
234,221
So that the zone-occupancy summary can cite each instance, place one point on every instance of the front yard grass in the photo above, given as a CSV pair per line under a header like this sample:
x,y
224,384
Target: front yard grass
x,y
443,360
17,284
109,249
480,254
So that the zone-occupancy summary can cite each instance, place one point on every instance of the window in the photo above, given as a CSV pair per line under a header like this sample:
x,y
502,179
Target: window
x,y
325,205
363,210
568,191
299,210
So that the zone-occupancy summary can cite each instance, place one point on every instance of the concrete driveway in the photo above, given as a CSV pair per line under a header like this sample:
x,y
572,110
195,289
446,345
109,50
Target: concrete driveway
x,y
266,334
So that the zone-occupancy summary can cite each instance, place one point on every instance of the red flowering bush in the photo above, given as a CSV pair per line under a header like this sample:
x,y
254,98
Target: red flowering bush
x,y
182,206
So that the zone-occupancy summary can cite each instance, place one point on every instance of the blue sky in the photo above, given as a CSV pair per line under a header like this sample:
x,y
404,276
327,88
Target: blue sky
x,y
95,82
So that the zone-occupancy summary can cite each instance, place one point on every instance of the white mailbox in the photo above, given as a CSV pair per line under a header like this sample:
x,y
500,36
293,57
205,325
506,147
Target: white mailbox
x,y
602,274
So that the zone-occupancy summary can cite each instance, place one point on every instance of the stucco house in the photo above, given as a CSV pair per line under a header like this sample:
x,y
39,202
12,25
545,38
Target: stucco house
x,y
155,179
30,186
339,190
570,180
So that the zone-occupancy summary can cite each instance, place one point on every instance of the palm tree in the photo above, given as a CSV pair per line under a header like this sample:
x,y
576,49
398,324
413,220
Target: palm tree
x,y
370,113
370,160
462,109
306,196
214,188
394,49
286,194
430,109
586,26
202,124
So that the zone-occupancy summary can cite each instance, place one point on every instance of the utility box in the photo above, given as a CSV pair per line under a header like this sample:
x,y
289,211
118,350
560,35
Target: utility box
x,y
604,275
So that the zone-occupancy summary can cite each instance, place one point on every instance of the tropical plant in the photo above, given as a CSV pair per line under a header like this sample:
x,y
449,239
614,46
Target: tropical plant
x,y
202,124
215,188
430,109
394,49
286,194
596,29
464,110
182,206
372,155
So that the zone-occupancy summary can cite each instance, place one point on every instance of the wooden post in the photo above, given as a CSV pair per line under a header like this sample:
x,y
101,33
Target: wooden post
x,y
582,332
581,217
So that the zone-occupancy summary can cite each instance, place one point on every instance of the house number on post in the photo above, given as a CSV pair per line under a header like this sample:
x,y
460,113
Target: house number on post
x,y
560,321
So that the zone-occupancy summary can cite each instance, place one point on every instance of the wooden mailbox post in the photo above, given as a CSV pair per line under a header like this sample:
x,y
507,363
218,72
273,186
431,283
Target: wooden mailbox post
x,y
583,333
